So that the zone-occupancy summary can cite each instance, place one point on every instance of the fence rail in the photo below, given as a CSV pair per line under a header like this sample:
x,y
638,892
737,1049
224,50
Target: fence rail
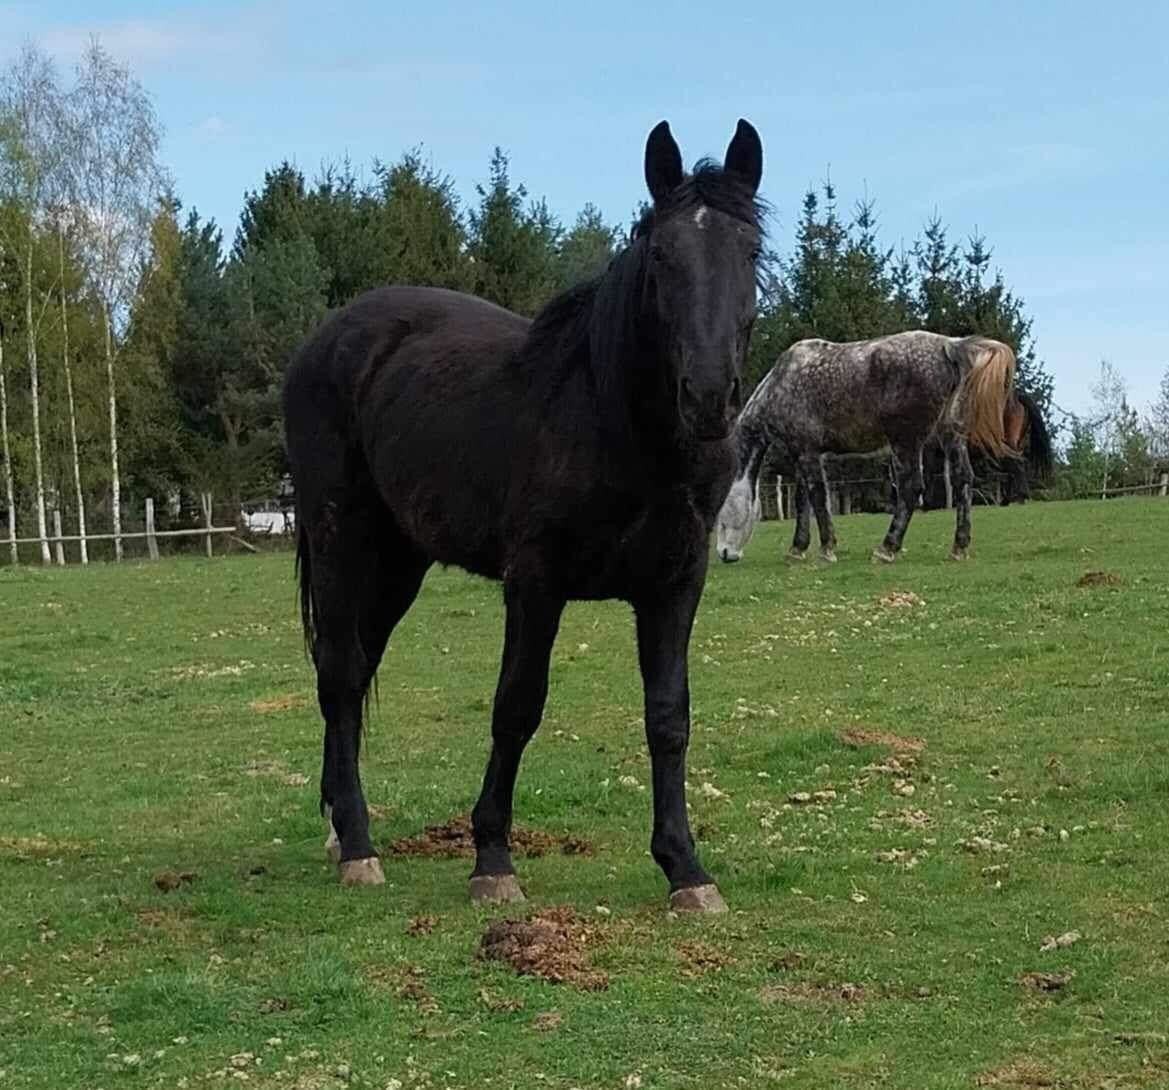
x,y
57,540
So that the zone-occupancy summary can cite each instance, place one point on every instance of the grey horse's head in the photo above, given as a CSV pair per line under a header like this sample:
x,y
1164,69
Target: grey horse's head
x,y
736,520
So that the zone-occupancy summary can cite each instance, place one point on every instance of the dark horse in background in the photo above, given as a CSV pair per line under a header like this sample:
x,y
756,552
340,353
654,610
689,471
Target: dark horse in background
x,y
583,455
1026,432
890,392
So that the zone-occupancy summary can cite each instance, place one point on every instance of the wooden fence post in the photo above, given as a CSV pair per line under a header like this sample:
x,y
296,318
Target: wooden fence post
x,y
1165,484
58,545
151,540
947,481
846,501
779,498
205,498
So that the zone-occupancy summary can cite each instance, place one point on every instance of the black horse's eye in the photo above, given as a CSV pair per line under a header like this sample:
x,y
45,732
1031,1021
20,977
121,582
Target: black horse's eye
x,y
756,254
656,253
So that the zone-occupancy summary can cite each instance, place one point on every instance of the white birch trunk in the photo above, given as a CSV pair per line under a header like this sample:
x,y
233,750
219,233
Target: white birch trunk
x,y
34,389
72,409
9,487
115,476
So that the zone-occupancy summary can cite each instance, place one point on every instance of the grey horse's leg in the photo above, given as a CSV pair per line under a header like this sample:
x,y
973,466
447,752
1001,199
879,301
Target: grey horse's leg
x,y
963,495
803,504
812,469
910,485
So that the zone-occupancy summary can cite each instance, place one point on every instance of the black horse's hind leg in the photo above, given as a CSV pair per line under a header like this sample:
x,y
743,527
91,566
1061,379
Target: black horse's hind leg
x,y
910,485
530,631
663,637
364,578
803,505
812,470
963,496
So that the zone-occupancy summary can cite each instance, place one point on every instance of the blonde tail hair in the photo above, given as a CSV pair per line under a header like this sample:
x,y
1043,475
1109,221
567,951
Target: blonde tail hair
x,y
986,392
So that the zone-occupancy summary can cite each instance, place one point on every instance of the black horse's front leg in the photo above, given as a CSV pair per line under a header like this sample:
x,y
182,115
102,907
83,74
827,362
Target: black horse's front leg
x,y
663,639
532,621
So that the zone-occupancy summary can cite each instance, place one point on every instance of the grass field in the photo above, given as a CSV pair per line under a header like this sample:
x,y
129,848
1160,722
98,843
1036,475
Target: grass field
x,y
157,722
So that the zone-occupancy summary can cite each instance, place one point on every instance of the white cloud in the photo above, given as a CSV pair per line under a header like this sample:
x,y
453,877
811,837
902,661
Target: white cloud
x,y
210,128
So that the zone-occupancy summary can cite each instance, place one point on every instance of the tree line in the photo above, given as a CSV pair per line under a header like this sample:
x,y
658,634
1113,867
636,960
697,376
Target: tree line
x,y
142,352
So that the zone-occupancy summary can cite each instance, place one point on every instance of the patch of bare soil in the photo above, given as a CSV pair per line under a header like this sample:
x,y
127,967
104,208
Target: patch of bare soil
x,y
550,944
860,737
1046,982
170,880
275,770
1024,1073
37,847
547,1021
285,703
421,925
453,839
500,1004
900,599
804,992
702,957
172,921
1098,579
413,987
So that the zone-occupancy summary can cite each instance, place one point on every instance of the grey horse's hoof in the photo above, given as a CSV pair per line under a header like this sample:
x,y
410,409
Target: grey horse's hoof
x,y
495,889
958,553
828,556
698,899
796,554
883,556
362,872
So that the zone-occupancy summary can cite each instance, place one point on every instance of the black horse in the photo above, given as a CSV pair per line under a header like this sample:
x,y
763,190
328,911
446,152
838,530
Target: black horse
x,y
583,455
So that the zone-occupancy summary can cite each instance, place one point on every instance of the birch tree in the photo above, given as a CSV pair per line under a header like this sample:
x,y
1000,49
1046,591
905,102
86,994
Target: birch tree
x,y
6,452
29,157
114,183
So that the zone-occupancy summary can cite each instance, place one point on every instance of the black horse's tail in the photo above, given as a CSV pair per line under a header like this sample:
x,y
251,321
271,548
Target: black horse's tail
x,y
304,576
1039,453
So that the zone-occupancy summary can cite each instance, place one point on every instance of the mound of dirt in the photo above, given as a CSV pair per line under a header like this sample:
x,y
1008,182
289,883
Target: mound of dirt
x,y
813,993
169,880
860,737
550,944
900,599
453,839
1098,579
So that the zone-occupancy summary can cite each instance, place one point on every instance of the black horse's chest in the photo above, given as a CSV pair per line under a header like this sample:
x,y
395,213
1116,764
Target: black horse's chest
x,y
626,551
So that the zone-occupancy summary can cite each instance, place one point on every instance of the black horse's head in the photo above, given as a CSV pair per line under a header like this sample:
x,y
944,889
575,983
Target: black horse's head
x,y
702,240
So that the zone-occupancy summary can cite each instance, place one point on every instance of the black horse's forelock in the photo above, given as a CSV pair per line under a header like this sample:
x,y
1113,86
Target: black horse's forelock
x,y
711,185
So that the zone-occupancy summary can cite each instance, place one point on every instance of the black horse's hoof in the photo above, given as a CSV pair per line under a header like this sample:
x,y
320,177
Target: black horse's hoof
x,y
495,889
362,872
698,899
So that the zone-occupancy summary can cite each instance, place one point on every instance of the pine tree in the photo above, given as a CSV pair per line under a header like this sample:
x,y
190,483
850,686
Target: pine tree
x,y
512,249
419,230
586,249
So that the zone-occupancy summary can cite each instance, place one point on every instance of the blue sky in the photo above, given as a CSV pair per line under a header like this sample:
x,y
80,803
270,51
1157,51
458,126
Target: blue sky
x,y
1043,125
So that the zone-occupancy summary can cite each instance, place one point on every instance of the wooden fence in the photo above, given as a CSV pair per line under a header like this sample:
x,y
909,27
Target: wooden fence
x,y
208,531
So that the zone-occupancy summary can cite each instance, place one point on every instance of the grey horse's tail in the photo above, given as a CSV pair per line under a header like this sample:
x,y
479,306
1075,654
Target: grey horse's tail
x,y
986,391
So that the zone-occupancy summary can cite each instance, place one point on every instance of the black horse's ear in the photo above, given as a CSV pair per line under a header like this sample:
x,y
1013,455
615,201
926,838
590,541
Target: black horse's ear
x,y
745,154
663,161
